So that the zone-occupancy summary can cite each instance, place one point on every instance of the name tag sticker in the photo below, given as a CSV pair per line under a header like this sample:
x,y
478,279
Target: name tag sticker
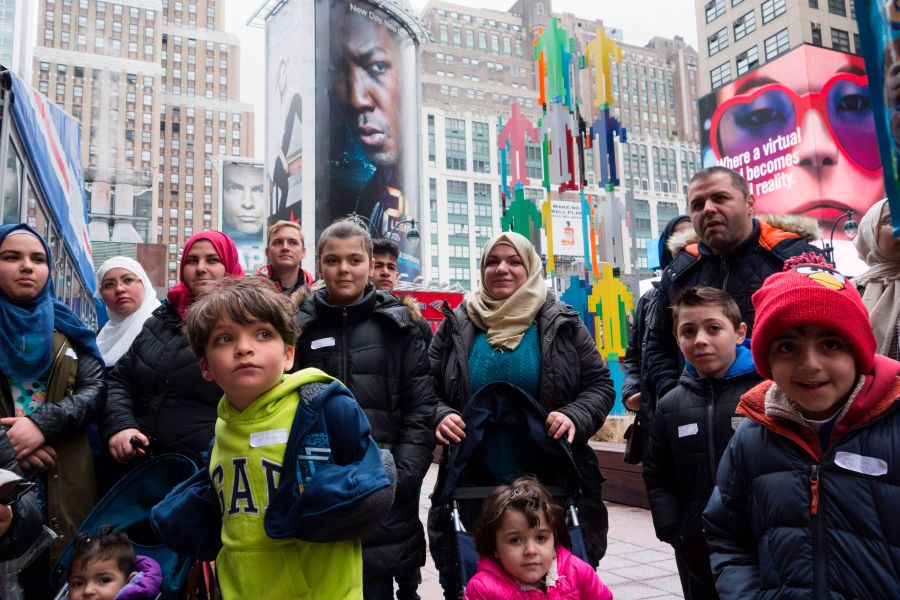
x,y
322,343
867,465
70,352
686,430
259,439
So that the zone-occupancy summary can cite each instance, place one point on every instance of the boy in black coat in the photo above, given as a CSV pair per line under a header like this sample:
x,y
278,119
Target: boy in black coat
x,y
692,426
806,497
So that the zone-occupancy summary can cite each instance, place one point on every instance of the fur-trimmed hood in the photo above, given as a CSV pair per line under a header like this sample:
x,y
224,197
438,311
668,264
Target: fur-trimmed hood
x,y
410,303
805,227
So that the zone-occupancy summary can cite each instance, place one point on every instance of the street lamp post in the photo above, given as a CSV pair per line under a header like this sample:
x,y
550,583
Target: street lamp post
x,y
850,228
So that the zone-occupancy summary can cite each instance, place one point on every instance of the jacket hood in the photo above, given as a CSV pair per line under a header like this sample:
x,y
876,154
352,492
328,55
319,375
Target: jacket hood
x,y
313,305
805,227
878,394
413,305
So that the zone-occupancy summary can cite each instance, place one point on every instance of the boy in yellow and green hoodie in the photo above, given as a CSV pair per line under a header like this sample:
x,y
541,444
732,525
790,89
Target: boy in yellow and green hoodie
x,y
293,473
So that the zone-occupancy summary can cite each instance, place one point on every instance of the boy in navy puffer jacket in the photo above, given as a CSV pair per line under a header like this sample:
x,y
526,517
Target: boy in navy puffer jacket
x,y
692,426
806,497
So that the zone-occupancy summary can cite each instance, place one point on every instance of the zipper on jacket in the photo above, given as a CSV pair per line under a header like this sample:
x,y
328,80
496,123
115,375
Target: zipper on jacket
x,y
817,522
344,350
723,268
710,431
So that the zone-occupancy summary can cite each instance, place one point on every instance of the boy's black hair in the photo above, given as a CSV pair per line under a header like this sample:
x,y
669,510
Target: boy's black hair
x,y
385,246
243,301
106,544
529,497
702,295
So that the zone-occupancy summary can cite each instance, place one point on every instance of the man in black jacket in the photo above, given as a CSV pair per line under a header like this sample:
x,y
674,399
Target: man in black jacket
x,y
735,253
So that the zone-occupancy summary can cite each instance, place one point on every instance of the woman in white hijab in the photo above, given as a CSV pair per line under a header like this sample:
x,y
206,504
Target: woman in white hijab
x,y
128,294
880,285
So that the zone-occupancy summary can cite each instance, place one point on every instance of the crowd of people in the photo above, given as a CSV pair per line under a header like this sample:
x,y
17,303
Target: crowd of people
x,y
312,409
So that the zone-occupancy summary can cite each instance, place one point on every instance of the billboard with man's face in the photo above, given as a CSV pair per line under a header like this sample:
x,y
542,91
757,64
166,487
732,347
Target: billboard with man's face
x,y
367,98
243,211
801,131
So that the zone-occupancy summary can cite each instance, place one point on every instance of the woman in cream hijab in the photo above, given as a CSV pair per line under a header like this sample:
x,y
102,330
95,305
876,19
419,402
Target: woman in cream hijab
x,y
880,285
128,294
513,329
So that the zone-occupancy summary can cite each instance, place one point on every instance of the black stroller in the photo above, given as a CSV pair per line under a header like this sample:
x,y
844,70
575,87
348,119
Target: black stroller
x,y
126,506
505,438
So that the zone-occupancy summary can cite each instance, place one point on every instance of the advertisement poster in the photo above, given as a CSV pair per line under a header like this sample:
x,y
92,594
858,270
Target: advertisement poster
x,y
367,87
243,211
568,236
801,131
289,98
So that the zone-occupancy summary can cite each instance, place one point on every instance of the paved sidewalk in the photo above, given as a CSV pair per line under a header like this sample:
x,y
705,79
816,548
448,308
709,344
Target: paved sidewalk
x,y
636,565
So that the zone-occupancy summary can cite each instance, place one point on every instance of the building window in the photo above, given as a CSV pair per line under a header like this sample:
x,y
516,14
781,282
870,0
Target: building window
x,y
720,75
714,9
747,60
840,40
772,9
718,41
744,24
814,4
777,44
816,34
481,153
857,48
432,152
455,133
837,7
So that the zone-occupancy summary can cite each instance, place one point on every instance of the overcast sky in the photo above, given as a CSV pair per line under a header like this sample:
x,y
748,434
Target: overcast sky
x,y
639,20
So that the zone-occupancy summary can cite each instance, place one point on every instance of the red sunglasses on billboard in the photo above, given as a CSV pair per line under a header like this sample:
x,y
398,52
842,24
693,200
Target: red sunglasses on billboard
x,y
745,122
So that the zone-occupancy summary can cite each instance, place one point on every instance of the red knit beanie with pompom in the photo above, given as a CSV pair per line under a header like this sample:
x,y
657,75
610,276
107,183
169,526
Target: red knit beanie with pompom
x,y
810,292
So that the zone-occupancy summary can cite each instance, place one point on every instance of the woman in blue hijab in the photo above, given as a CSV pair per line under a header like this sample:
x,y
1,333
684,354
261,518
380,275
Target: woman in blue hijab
x,y
51,382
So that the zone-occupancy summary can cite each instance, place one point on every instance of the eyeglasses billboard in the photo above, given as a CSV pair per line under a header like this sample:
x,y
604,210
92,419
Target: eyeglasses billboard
x,y
801,131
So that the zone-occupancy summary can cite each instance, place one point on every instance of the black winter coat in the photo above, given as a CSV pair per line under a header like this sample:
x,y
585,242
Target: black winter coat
x,y
693,424
375,348
787,522
158,388
740,273
574,381
27,519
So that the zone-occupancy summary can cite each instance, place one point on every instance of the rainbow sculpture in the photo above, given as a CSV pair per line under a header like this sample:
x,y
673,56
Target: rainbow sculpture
x,y
602,299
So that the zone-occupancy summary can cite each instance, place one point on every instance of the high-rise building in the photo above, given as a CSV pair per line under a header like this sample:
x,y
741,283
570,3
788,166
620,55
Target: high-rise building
x,y
17,31
155,85
737,36
477,64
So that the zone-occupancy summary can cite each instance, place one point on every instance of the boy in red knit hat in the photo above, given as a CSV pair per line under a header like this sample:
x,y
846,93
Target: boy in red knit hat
x,y
806,496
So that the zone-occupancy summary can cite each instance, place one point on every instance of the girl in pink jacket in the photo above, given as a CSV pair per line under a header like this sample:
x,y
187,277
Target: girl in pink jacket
x,y
521,536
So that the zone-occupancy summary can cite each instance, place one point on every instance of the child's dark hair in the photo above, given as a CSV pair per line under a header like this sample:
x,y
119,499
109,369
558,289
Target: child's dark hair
x,y
106,544
385,246
243,301
529,497
703,295
342,230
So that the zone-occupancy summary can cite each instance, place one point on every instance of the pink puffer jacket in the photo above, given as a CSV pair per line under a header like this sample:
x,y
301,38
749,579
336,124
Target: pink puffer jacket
x,y
575,580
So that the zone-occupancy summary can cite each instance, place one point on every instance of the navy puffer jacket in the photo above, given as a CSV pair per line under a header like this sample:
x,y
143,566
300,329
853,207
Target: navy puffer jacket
x,y
789,522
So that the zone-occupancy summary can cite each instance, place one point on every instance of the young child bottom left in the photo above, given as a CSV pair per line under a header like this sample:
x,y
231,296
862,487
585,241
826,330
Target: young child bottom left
x,y
521,536
104,567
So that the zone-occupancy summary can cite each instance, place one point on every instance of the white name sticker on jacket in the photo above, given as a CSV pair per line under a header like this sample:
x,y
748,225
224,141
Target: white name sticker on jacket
x,y
70,352
867,465
322,343
259,439
686,430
